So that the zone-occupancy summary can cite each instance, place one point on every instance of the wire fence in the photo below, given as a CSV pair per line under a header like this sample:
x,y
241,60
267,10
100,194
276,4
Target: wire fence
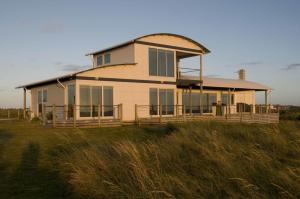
x,y
14,113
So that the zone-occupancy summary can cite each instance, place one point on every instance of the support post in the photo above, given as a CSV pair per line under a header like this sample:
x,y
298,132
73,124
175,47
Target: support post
x,y
99,115
54,115
266,100
74,116
201,84
24,103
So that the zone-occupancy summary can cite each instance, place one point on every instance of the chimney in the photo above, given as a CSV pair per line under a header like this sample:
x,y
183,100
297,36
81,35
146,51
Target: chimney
x,y
242,74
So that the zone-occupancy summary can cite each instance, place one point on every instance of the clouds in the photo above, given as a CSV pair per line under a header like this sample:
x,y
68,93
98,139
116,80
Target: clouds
x,y
71,67
293,66
53,28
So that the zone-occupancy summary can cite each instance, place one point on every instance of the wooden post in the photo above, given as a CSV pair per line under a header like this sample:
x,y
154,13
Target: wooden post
x,y
201,84
54,115
136,113
74,116
99,115
190,100
24,103
160,113
121,112
184,116
65,112
177,110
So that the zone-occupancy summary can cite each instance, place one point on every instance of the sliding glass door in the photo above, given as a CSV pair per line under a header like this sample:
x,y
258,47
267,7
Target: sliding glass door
x,y
162,97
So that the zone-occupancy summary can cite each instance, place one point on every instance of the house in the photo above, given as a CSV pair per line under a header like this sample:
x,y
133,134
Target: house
x,y
143,78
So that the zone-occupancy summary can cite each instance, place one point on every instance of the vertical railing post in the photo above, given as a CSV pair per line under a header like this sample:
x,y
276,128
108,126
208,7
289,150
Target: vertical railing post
x,y
184,115
160,113
136,113
54,115
74,116
99,115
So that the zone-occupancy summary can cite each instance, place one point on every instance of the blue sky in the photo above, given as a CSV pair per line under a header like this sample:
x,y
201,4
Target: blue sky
x,y
44,39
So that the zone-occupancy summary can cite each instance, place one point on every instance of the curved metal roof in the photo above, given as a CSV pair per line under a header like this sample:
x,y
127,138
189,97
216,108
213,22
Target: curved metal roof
x,y
143,36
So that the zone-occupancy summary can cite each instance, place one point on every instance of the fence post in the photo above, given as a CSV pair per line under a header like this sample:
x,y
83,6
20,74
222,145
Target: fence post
x,y
74,116
136,113
54,115
160,113
99,115
18,114
184,116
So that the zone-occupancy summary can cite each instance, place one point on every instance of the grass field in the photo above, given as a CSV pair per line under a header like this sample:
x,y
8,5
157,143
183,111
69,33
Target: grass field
x,y
193,160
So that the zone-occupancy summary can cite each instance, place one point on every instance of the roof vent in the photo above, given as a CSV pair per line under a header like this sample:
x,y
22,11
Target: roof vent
x,y
242,74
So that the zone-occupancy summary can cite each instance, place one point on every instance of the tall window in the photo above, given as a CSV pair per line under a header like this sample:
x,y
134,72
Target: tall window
x,y
107,58
225,100
161,62
93,96
165,97
42,99
71,99
99,60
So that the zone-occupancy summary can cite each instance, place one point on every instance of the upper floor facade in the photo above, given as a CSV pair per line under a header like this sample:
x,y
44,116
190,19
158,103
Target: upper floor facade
x,y
150,57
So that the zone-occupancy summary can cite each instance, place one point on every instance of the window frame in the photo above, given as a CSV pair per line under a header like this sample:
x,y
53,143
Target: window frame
x,y
166,53
165,110
107,55
97,60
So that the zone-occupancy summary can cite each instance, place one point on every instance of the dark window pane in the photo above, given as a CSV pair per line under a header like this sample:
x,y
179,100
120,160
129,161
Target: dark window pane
x,y
224,98
185,101
170,102
99,60
163,100
153,101
96,99
212,99
71,94
232,99
170,63
85,101
162,63
40,97
45,96
195,102
152,61
108,100
107,58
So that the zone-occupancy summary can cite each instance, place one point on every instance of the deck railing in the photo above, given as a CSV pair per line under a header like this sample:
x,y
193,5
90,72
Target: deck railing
x,y
75,113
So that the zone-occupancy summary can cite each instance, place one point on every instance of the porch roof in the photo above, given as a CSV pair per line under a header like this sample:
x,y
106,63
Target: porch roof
x,y
212,82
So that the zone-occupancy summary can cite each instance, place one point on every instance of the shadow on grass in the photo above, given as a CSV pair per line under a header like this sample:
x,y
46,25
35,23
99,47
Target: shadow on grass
x,y
31,181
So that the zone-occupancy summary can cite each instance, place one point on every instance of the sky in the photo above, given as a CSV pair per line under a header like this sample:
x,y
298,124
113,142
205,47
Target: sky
x,y
43,39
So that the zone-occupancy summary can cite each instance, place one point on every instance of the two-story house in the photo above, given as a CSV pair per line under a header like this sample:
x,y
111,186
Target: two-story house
x,y
143,72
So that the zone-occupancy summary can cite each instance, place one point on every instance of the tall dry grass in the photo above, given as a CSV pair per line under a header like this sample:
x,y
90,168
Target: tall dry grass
x,y
195,160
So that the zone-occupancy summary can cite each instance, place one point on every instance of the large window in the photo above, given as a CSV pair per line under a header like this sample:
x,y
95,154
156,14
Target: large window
x,y
161,62
71,99
99,60
208,99
91,97
163,97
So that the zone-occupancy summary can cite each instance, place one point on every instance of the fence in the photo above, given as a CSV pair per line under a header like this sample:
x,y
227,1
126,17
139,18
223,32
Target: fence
x,y
75,115
14,113
240,112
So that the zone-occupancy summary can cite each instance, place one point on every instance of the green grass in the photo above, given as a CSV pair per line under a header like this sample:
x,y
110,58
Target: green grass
x,y
193,160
